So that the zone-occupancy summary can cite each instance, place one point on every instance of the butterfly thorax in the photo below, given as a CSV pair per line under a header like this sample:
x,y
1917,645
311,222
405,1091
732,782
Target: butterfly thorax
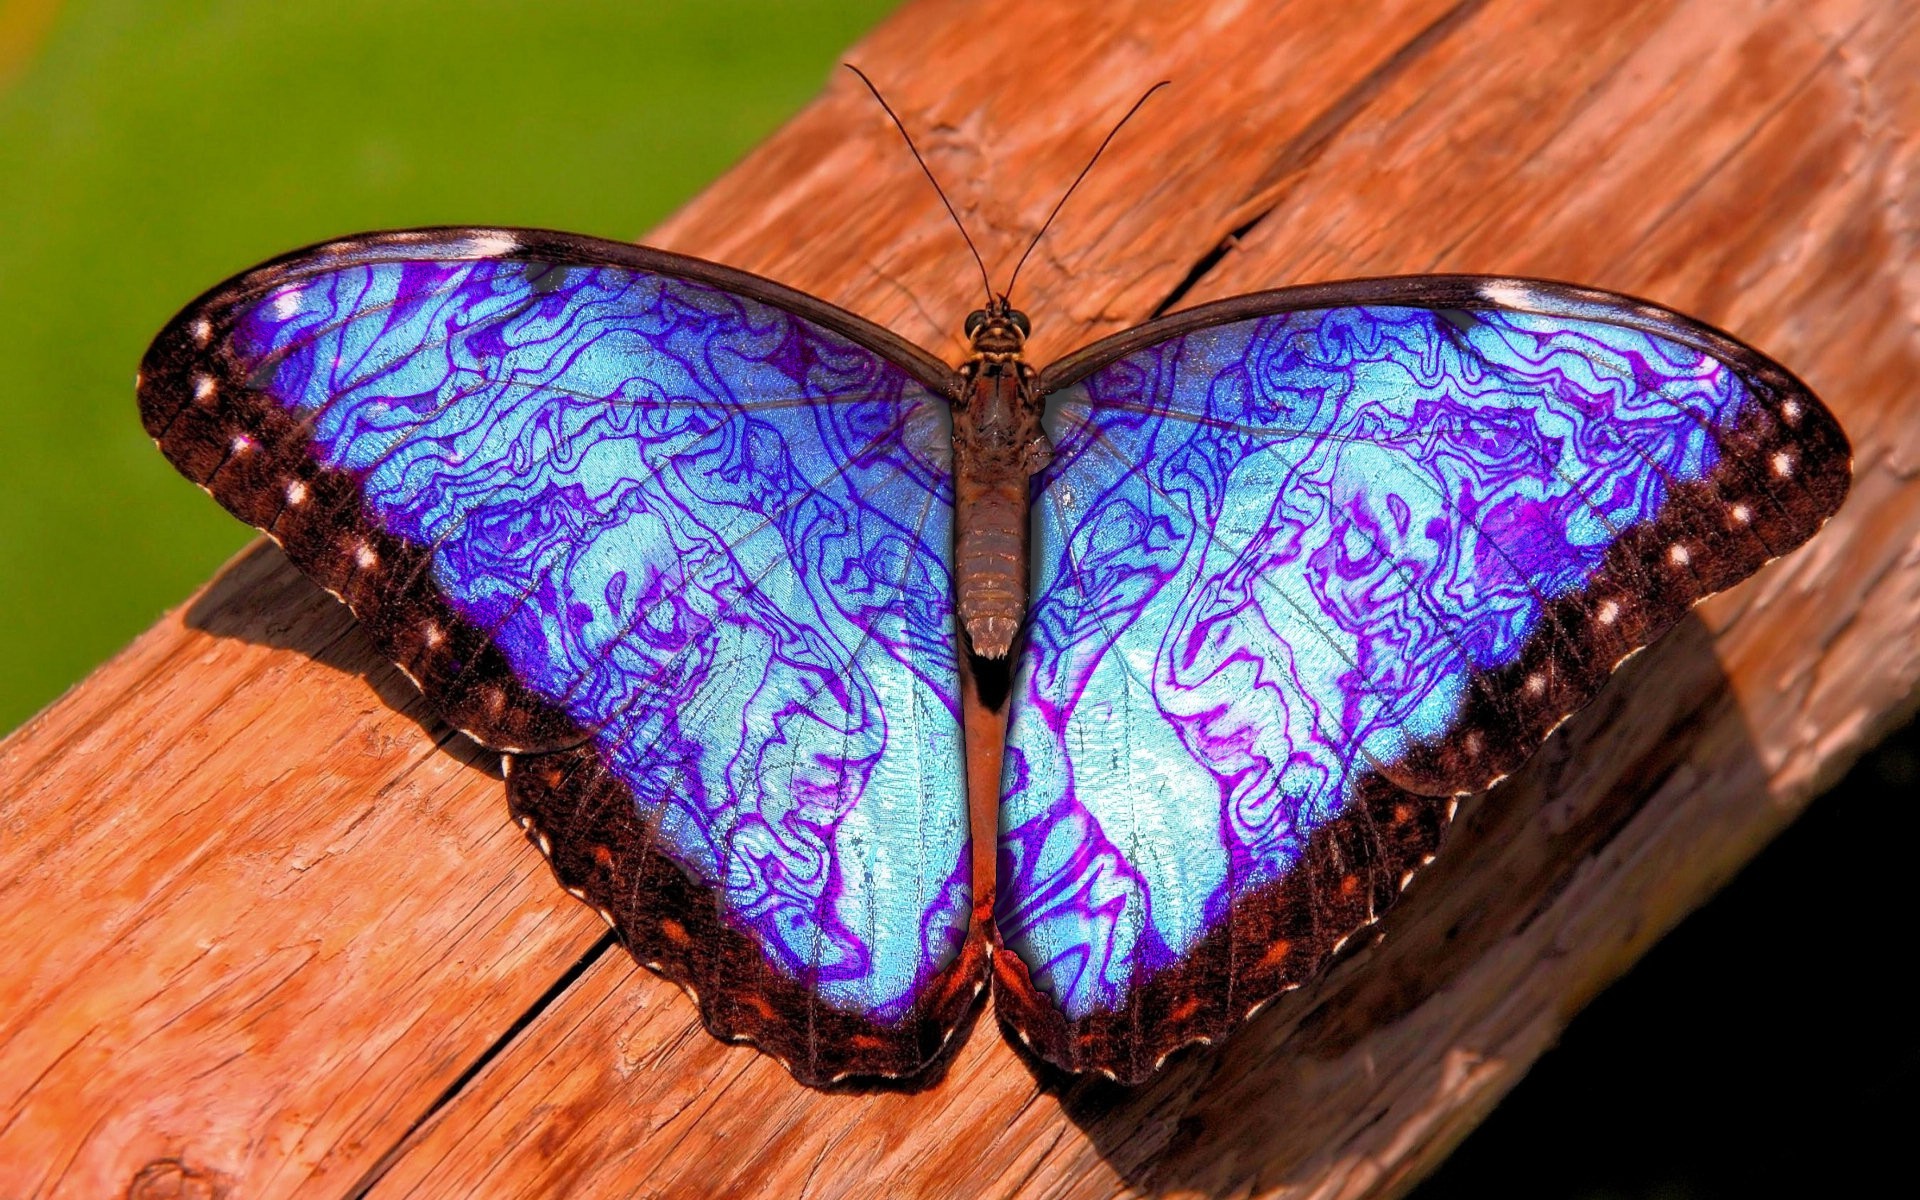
x,y
997,445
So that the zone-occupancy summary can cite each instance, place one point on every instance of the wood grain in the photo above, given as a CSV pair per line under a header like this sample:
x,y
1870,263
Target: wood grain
x,y
267,917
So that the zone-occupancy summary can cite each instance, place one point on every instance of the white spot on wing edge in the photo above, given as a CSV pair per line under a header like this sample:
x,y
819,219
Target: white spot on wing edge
x,y
202,386
296,492
201,331
1508,293
489,244
1783,464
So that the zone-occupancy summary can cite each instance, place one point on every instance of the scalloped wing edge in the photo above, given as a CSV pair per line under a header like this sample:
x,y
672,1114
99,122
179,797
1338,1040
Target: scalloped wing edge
x,y
585,824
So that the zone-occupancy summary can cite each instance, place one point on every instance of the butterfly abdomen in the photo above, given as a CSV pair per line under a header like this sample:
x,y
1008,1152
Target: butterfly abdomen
x,y
990,550
997,445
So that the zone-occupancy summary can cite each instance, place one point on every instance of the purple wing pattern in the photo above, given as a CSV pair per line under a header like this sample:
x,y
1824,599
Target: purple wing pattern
x,y
686,548
1302,577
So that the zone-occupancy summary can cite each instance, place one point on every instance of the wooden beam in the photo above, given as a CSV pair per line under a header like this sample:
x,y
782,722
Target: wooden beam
x,y
266,917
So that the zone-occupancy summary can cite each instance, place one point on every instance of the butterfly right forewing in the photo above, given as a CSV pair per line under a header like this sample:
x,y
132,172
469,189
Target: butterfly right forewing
x,y
1311,563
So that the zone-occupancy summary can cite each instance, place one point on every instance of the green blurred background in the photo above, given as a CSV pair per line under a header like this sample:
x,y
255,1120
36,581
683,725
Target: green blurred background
x,y
151,148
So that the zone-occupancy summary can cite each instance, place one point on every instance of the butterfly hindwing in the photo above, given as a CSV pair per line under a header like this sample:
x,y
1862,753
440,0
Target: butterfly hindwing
x,y
1308,565
675,537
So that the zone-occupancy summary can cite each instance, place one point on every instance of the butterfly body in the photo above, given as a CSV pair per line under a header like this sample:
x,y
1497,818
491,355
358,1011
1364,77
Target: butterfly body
x,y
998,446
1278,579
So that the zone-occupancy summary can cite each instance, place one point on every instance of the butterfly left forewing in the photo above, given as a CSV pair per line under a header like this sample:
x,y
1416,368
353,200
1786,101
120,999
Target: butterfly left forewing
x,y
674,537
1308,565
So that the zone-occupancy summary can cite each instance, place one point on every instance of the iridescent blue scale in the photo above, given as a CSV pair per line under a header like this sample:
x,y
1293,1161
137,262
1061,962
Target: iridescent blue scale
x,y
1306,565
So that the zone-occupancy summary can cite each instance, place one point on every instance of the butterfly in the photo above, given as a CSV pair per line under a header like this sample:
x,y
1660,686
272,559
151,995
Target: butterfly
x,y
719,568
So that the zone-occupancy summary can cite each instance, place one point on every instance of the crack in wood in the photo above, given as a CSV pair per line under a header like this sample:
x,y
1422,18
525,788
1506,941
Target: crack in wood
x,y
528,1016
1305,147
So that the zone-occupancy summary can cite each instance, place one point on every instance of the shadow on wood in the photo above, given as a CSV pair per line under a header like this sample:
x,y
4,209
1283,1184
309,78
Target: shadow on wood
x,y
1760,1049
260,598
1268,1102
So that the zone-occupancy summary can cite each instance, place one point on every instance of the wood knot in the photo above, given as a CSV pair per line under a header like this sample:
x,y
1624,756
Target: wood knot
x,y
172,1179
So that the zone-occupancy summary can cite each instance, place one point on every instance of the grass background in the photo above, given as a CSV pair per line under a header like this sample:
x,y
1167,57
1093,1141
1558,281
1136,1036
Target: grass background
x,y
151,148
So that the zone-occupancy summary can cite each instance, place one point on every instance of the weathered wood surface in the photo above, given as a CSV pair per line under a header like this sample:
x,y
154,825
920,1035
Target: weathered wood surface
x,y
264,916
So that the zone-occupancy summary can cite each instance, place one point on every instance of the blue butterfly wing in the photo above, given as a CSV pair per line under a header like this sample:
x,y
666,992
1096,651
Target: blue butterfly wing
x,y
675,538
1308,565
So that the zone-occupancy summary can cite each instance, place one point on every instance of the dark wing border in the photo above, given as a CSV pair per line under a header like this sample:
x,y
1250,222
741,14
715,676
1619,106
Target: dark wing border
x,y
1738,518
195,400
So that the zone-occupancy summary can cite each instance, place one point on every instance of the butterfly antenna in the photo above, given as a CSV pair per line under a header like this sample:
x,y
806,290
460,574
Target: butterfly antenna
x,y
915,150
1077,178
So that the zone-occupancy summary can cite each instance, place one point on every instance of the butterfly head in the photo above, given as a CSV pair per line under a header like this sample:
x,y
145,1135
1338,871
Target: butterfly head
x,y
998,331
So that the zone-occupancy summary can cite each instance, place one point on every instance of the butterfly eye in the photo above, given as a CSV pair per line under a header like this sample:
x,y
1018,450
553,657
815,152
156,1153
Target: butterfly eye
x,y
1020,321
975,320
